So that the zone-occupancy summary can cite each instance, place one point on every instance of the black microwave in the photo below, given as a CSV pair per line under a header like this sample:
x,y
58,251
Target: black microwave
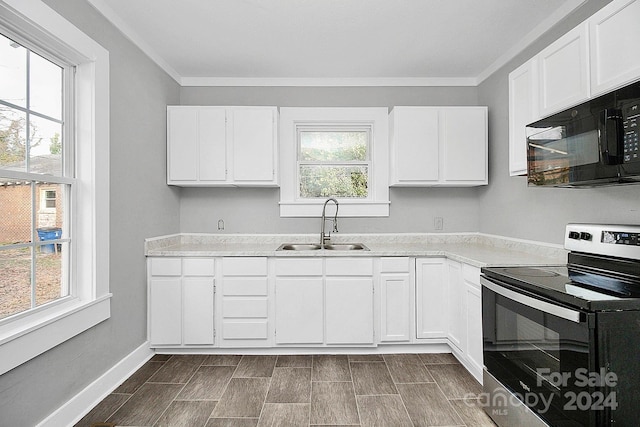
x,y
594,143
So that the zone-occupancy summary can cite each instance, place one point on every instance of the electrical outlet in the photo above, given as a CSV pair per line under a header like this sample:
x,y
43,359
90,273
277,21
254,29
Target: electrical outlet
x,y
220,225
438,223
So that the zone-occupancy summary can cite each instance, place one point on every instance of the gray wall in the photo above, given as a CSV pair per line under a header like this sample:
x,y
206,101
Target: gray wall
x,y
508,206
141,206
256,210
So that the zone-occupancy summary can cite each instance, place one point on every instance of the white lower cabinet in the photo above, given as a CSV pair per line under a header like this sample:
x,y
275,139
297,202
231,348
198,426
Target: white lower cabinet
x,y
245,302
324,301
473,320
181,302
455,304
395,299
431,298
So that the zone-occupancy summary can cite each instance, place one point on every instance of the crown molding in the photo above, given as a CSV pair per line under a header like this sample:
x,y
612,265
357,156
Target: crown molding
x,y
560,14
334,82
134,37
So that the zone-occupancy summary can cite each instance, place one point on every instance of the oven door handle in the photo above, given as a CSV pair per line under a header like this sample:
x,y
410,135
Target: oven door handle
x,y
546,307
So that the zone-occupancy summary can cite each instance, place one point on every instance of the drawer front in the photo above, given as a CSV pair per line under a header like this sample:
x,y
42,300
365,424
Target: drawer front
x,y
299,267
394,265
245,286
198,266
166,266
244,308
471,274
244,266
349,266
249,330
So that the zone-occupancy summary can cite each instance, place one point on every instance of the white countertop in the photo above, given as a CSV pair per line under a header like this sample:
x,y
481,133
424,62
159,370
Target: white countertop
x,y
471,248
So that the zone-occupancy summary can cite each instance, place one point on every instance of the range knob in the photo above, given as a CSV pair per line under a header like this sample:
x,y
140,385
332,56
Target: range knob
x,y
574,235
585,236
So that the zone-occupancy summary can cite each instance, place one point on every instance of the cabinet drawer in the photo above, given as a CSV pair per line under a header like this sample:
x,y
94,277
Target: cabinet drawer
x,y
471,274
244,308
198,266
241,286
243,266
349,266
394,265
299,267
166,266
239,330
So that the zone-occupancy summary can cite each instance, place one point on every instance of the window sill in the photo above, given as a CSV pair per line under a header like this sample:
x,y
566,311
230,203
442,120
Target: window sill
x,y
348,208
49,329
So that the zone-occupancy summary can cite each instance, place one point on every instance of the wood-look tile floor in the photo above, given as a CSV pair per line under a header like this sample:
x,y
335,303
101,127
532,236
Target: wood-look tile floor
x,y
237,391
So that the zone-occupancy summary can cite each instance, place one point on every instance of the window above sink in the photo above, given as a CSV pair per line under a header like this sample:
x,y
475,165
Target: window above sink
x,y
334,152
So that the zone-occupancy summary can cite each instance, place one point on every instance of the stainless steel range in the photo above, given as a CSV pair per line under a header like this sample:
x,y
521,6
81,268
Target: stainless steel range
x,y
561,343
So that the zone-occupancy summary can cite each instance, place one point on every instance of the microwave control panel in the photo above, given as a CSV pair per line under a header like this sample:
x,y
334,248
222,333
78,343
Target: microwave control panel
x,y
630,114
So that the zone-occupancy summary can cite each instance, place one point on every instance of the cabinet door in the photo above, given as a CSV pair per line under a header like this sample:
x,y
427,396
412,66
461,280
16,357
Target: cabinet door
x,y
395,307
182,144
431,298
298,311
613,36
455,305
523,110
254,139
415,151
165,311
463,138
212,144
564,71
197,294
473,303
349,310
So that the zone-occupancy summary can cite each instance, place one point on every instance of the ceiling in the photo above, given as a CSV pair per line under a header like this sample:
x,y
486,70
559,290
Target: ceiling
x,y
332,42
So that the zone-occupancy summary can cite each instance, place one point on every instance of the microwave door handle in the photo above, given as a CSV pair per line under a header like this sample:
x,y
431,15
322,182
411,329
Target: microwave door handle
x,y
610,129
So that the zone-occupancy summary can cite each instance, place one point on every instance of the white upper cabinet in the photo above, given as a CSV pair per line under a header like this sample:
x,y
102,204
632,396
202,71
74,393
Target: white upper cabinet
x,y
221,146
523,109
564,71
613,35
438,146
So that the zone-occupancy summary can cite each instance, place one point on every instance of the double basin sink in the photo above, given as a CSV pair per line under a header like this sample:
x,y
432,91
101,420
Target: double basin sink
x,y
327,246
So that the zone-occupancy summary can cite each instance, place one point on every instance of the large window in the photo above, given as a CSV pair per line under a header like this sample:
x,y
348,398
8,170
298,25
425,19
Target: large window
x,y
334,152
35,233
54,181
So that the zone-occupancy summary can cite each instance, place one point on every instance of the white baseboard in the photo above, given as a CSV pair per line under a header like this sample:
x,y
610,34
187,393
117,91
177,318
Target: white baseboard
x,y
79,405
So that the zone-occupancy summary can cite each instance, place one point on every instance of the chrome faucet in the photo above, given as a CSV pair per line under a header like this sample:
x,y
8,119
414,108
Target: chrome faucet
x,y
326,238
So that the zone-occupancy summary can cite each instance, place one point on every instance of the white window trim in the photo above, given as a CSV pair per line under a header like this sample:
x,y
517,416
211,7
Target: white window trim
x,y
377,204
34,333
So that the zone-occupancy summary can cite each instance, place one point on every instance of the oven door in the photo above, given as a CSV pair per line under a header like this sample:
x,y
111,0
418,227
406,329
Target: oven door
x,y
534,348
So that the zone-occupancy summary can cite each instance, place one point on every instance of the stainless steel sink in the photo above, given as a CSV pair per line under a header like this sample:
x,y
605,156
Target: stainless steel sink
x,y
298,247
346,247
328,246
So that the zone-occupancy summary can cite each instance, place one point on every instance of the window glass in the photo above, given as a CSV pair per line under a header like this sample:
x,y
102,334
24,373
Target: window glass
x,y
34,232
333,163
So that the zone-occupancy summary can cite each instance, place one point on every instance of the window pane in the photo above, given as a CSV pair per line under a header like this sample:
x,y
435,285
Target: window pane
x,y
13,72
337,181
13,139
333,146
49,283
15,218
15,281
45,86
45,148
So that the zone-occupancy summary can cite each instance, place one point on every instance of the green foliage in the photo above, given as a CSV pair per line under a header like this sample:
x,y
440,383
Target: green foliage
x,y
336,181
56,144
13,144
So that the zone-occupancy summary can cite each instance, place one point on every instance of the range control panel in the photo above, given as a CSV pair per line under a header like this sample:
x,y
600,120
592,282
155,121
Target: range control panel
x,y
605,239
620,238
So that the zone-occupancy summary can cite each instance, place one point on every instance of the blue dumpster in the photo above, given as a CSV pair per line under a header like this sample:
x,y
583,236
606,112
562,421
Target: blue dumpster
x,y
48,233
